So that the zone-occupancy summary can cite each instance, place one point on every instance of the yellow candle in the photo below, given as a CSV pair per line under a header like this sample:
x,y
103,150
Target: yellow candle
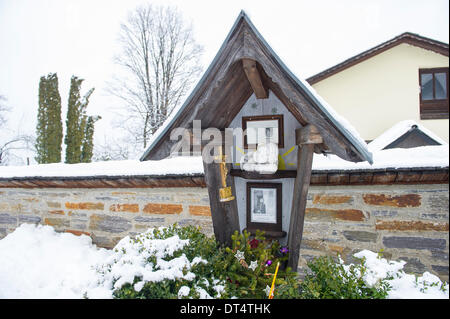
x,y
273,282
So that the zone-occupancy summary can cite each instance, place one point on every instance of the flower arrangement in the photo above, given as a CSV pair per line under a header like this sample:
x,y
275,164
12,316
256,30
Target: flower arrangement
x,y
244,270
255,280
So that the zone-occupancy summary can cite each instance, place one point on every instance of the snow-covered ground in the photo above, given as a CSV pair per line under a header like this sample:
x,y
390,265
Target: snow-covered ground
x,y
37,262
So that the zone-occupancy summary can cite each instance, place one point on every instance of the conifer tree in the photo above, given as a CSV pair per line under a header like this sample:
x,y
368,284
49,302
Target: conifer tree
x,y
88,142
49,129
76,122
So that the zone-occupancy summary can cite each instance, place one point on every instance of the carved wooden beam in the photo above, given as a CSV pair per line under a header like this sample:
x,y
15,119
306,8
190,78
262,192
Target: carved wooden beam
x,y
254,78
308,134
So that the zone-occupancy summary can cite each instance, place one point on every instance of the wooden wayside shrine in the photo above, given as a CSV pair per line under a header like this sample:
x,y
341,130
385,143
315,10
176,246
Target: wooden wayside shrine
x,y
248,84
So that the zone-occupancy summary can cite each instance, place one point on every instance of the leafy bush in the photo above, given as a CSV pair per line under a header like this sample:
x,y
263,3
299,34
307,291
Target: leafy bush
x,y
328,279
198,281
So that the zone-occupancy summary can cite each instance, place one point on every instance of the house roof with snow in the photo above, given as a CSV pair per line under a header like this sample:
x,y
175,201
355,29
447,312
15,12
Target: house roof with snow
x,y
224,88
407,37
405,134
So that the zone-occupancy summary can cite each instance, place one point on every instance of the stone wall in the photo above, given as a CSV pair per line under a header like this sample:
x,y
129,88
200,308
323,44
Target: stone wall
x,y
105,214
409,222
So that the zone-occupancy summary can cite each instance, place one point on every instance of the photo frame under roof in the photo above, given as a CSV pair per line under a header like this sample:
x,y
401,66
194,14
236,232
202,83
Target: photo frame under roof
x,y
263,128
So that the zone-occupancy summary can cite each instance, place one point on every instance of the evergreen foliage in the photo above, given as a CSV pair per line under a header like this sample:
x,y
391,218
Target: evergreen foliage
x,y
245,277
328,279
245,281
88,140
49,129
246,270
80,127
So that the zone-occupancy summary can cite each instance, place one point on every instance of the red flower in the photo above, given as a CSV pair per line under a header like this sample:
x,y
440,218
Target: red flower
x,y
254,243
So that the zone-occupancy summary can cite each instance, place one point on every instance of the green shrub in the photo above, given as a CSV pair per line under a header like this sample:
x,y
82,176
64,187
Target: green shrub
x,y
223,275
199,246
327,279
249,266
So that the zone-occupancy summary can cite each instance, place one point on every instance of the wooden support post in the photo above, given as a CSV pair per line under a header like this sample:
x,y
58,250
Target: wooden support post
x,y
254,78
224,215
306,138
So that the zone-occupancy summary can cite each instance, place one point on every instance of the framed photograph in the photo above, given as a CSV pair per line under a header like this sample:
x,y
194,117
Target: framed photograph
x,y
263,128
264,206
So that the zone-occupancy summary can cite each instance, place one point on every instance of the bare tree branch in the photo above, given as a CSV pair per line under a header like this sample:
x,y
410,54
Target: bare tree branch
x,y
11,141
161,61
3,110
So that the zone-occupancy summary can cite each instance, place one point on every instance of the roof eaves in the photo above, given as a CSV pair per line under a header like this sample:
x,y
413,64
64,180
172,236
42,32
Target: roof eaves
x,y
362,149
166,126
406,37
364,152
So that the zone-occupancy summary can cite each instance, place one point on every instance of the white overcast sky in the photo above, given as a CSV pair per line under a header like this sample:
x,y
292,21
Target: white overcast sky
x,y
79,37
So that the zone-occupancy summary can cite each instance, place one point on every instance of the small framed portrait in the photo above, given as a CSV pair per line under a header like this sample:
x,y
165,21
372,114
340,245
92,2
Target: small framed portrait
x,y
264,206
260,129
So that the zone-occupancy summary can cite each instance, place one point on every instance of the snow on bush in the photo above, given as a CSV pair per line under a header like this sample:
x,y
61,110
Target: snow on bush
x,y
404,286
144,257
37,262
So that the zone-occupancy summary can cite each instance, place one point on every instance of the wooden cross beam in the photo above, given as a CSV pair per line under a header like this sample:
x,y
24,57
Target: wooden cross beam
x,y
254,78
306,138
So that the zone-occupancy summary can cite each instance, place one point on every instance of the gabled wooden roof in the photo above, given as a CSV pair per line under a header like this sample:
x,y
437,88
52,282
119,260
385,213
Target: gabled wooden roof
x,y
407,37
224,88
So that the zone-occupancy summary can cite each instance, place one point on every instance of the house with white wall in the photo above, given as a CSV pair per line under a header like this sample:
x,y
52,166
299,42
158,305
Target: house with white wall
x,y
404,78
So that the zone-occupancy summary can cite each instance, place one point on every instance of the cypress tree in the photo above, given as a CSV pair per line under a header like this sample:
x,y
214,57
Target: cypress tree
x,y
88,141
49,127
41,148
76,122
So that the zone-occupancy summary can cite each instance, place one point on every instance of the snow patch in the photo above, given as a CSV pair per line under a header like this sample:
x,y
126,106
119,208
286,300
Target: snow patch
x,y
37,262
183,292
404,286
